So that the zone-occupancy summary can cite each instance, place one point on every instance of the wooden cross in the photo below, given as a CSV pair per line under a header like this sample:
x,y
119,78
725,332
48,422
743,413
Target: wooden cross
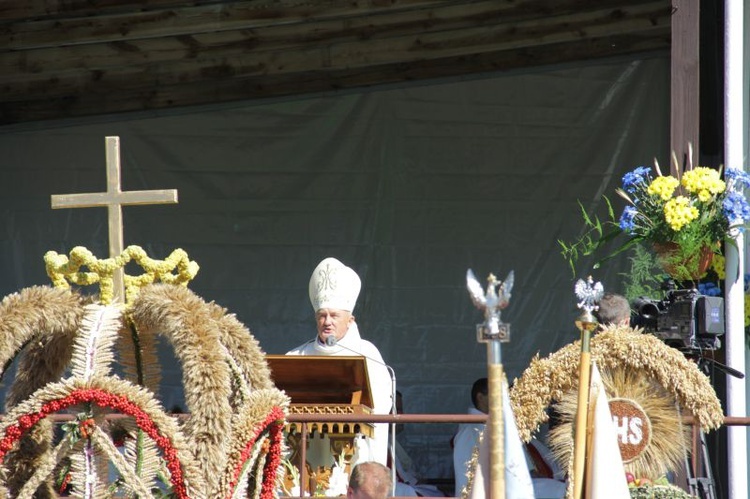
x,y
114,199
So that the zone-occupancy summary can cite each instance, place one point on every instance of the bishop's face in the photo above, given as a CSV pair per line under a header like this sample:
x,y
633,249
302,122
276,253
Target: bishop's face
x,y
333,322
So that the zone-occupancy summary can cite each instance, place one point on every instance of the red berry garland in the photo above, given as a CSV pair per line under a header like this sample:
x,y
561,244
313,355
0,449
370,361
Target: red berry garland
x,y
104,399
274,423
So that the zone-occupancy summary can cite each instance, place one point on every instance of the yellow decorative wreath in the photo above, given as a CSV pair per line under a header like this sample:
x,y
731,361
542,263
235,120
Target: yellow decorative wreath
x,y
64,271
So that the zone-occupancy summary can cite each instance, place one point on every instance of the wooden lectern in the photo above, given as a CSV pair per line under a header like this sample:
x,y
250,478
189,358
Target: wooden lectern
x,y
325,385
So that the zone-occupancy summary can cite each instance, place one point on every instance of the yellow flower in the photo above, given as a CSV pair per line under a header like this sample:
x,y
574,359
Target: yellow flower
x,y
718,266
663,187
678,212
63,271
704,182
747,310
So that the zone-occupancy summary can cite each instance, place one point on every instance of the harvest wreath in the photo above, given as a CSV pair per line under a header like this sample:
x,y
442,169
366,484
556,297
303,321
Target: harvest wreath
x,y
636,367
67,345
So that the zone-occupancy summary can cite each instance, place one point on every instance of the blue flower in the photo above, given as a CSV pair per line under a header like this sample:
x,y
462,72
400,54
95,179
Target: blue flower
x,y
709,289
735,207
631,180
737,178
627,219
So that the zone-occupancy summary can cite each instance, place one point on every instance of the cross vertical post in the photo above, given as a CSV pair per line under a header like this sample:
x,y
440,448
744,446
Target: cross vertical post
x,y
114,199
114,210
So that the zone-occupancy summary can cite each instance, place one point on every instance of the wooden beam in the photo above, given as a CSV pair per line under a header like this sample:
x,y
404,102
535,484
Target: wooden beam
x,y
239,28
222,90
189,19
280,11
685,84
154,55
234,55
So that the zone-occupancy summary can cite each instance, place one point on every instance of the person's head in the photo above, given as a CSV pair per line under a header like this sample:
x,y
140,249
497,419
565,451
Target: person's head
x,y
333,290
369,480
480,395
613,309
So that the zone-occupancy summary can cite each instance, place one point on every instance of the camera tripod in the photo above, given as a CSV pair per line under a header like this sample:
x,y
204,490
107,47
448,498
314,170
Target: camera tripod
x,y
700,478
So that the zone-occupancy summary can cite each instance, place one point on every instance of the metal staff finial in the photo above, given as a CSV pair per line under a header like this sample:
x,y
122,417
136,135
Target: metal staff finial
x,y
491,301
493,332
588,293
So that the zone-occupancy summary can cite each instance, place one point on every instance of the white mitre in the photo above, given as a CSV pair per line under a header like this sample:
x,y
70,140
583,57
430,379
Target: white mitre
x,y
334,285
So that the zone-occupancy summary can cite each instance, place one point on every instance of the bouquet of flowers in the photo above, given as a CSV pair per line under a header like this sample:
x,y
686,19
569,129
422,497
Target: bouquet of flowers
x,y
684,218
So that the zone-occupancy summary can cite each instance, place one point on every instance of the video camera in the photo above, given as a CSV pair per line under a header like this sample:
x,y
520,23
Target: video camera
x,y
685,319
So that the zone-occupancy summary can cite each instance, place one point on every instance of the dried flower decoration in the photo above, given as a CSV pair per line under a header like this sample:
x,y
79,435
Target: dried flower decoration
x,y
64,271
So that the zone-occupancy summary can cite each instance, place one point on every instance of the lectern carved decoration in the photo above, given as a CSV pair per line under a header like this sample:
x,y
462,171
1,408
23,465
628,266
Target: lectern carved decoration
x,y
324,386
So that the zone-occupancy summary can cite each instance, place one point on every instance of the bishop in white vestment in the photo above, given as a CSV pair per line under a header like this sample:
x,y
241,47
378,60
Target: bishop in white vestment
x,y
333,290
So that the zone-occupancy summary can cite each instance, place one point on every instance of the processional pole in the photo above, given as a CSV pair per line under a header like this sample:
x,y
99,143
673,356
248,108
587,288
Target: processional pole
x,y
588,294
493,333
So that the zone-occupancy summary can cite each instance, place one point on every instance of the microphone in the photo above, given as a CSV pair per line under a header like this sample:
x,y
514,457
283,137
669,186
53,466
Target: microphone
x,y
332,341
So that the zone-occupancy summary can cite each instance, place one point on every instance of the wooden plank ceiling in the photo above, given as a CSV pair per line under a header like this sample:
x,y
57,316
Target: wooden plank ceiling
x,y
73,58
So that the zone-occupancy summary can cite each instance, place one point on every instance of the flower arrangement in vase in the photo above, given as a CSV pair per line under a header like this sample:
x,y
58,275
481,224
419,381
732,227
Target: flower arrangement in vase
x,y
683,219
